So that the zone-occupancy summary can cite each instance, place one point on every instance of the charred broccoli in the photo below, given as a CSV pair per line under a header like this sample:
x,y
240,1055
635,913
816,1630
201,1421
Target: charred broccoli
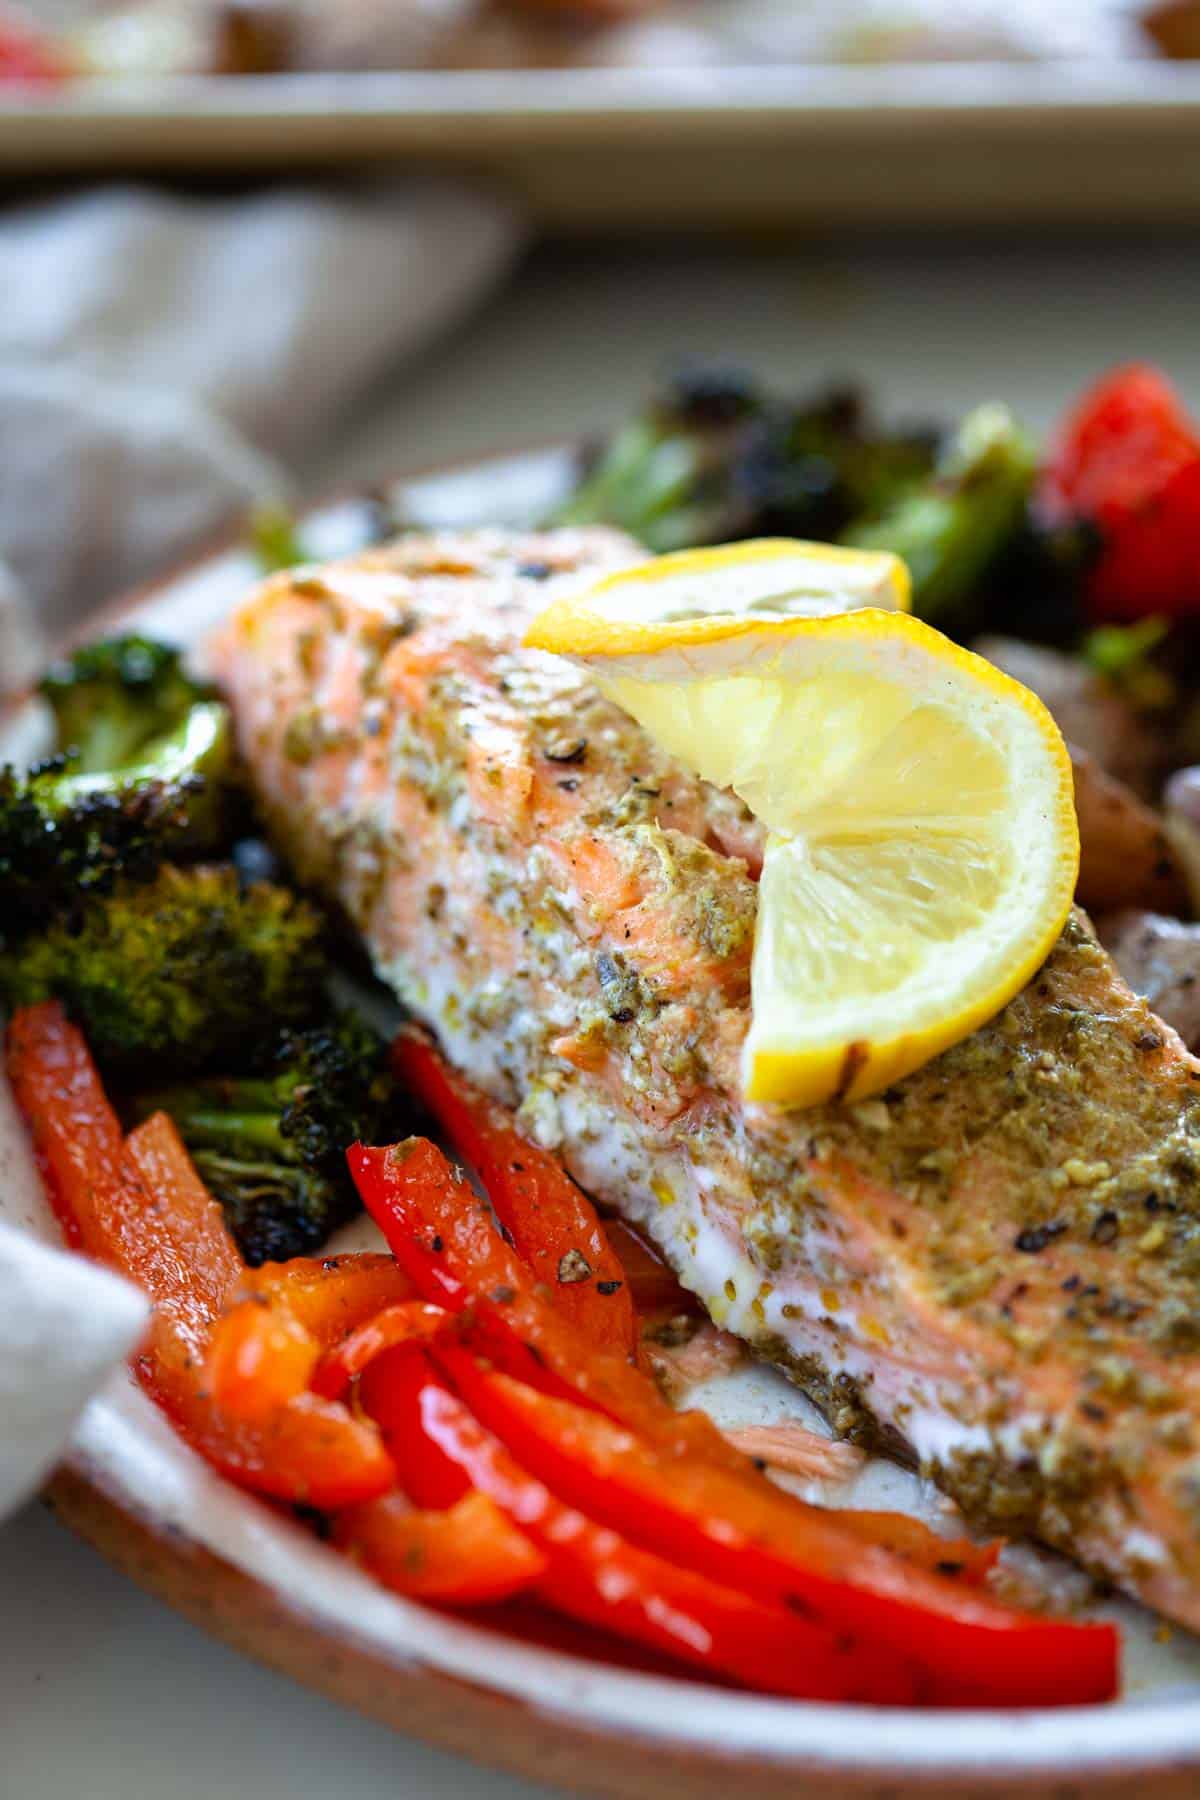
x,y
713,458
950,526
182,970
272,1145
176,972
143,771
113,698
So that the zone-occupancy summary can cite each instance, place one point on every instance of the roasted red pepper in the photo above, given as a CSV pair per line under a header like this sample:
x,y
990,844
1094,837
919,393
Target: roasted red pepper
x,y
1128,463
141,1209
902,1536
259,1358
331,1295
973,1651
411,1322
550,1221
465,1556
596,1575
268,1342
443,1236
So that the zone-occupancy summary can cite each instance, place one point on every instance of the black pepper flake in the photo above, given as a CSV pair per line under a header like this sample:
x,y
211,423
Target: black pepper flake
x,y
574,1267
1070,1284
507,1235
1090,1410
1034,1238
1147,1041
502,1296
438,1246
947,1566
608,1287
1106,1228
535,571
1118,1307
569,786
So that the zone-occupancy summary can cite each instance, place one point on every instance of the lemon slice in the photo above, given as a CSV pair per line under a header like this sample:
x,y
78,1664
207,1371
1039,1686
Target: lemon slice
x,y
922,846
696,596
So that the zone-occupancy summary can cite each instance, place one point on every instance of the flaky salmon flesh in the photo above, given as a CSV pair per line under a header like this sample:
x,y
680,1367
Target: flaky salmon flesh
x,y
995,1265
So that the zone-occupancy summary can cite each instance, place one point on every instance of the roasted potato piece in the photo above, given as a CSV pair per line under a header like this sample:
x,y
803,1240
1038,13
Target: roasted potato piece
x,y
1126,858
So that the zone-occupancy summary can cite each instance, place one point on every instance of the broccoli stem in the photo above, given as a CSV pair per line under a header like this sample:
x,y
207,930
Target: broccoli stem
x,y
950,528
207,1125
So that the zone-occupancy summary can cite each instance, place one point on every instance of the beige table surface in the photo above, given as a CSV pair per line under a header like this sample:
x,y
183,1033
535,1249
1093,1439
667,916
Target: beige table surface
x,y
104,1695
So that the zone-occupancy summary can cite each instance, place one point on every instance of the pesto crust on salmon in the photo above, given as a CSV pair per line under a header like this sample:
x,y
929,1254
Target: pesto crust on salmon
x,y
995,1264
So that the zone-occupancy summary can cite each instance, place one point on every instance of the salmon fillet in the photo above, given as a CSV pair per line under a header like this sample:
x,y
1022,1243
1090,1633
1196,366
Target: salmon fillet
x,y
994,1266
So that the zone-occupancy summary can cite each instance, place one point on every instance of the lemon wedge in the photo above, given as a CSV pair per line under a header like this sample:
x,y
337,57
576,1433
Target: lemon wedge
x,y
696,596
922,847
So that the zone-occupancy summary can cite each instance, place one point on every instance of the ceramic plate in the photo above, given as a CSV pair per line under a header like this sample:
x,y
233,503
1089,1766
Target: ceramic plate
x,y
549,1709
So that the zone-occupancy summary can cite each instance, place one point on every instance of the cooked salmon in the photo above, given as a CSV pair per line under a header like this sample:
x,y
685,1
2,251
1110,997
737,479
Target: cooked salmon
x,y
994,1266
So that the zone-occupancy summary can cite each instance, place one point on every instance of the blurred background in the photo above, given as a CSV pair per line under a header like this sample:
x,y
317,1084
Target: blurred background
x,y
756,264
82,39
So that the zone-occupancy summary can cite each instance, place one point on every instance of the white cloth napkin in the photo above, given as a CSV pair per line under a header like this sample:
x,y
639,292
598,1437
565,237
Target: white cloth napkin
x,y
163,357
64,1326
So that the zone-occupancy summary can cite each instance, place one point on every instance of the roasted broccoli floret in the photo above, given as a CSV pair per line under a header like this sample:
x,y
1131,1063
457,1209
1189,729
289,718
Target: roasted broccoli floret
x,y
713,459
272,1146
670,474
178,972
113,698
143,771
951,526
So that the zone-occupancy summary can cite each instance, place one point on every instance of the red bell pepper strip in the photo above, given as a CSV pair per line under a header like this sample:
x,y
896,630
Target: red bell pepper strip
x,y
596,1575
411,1322
259,1358
975,1651
175,1245
308,1452
907,1538
390,1392
466,1556
442,1235
1128,462
140,1208
552,1224
330,1295
267,1344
